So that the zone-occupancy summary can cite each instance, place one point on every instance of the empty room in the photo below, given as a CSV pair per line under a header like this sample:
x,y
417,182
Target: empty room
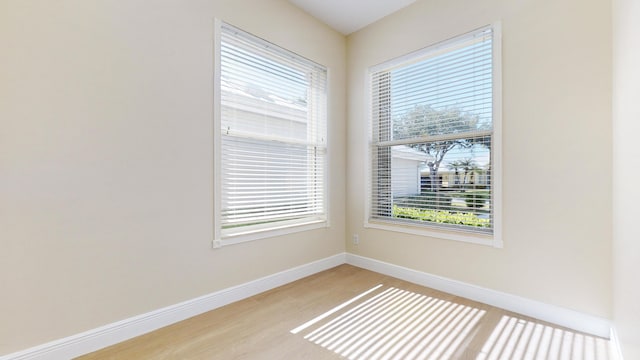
x,y
319,179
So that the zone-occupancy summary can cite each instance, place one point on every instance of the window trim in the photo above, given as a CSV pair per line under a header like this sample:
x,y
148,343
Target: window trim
x,y
255,232
430,230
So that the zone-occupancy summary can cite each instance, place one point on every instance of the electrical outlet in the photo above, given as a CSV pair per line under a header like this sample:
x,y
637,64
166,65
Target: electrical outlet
x,y
356,239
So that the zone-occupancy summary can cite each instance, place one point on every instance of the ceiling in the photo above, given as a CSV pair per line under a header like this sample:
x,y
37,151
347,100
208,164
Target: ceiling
x,y
347,16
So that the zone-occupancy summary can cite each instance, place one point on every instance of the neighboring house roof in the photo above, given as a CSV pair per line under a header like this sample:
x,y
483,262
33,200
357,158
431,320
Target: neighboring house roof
x,y
269,104
408,153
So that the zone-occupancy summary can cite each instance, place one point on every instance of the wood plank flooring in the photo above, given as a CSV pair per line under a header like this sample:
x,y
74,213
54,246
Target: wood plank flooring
x,y
352,313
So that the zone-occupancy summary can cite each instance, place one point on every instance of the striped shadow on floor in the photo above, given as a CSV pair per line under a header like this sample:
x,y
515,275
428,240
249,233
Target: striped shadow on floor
x,y
386,322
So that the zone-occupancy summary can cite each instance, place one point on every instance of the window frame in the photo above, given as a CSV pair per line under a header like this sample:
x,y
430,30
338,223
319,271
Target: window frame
x,y
267,230
427,229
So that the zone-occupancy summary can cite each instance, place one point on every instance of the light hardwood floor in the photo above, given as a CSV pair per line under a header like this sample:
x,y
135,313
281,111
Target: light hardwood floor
x,y
348,312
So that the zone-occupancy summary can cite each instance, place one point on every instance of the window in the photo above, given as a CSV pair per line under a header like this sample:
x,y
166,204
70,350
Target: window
x,y
271,143
435,140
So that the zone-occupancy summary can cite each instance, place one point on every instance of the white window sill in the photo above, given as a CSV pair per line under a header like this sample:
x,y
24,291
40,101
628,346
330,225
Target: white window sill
x,y
258,234
438,233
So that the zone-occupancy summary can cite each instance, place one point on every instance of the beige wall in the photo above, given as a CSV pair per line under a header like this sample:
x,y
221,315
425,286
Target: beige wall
x,y
626,172
106,159
557,120
106,165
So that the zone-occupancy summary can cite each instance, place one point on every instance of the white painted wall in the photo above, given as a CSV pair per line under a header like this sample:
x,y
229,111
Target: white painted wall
x,y
626,172
556,120
106,185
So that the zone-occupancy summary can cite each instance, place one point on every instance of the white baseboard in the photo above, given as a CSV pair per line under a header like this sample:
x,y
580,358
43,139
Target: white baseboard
x,y
114,333
554,314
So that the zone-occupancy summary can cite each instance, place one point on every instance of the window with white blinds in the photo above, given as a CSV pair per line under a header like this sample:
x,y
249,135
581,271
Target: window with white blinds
x,y
434,141
272,136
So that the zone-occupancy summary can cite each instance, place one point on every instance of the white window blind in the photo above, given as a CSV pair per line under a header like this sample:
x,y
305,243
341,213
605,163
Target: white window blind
x,y
273,136
432,150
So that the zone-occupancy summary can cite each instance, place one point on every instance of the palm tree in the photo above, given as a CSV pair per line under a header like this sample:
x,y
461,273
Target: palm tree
x,y
455,166
473,172
468,165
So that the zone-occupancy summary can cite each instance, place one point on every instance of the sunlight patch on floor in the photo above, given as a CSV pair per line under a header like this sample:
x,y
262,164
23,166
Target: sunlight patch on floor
x,y
391,323
334,310
398,324
515,338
